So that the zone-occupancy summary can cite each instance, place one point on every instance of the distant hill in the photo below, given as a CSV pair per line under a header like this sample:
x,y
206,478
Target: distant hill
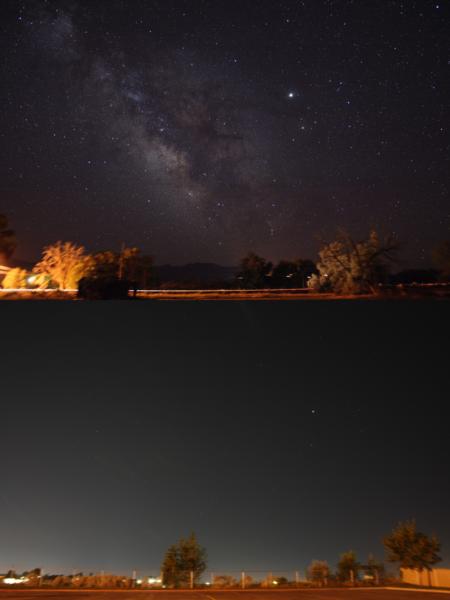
x,y
202,273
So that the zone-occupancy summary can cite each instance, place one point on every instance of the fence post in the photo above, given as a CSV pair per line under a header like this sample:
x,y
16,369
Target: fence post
x,y
297,578
243,580
192,580
212,579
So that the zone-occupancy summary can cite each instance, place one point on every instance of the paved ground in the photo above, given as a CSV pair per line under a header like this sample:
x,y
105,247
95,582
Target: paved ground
x,y
332,594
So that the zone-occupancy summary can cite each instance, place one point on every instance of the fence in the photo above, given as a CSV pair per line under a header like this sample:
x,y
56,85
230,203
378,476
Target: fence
x,y
152,579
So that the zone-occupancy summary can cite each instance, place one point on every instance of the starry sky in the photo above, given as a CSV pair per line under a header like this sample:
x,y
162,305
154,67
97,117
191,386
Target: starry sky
x,y
199,130
278,432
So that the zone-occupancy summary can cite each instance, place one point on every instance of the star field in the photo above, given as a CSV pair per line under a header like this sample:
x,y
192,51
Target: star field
x,y
202,130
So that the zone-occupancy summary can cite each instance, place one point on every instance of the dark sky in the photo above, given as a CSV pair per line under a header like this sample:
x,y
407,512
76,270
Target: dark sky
x,y
202,129
278,432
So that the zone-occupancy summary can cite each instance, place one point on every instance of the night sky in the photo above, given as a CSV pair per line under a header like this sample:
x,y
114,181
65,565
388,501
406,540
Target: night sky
x,y
203,129
278,432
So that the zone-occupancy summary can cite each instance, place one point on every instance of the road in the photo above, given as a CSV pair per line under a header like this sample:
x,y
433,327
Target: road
x,y
308,594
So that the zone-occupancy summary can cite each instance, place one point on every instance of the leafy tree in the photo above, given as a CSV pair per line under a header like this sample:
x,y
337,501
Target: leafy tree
x,y
295,273
104,265
224,581
8,240
60,581
64,263
32,576
11,574
171,567
349,267
15,278
373,568
248,581
411,548
129,265
319,572
441,258
254,271
348,567
182,559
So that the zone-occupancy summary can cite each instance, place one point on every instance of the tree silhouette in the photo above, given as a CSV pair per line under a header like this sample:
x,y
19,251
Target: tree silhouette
x,y
319,571
254,271
411,548
181,560
8,240
348,567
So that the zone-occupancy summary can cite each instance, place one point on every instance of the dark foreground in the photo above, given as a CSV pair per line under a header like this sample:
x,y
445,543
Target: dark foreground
x,y
308,594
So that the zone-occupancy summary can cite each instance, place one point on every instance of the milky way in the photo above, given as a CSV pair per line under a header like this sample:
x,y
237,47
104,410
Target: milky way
x,y
200,131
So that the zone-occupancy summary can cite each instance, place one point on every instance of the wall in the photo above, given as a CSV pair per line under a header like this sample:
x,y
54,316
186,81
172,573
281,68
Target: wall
x,y
437,577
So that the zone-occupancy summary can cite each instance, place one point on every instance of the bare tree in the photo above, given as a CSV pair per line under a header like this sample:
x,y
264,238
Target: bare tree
x,y
65,263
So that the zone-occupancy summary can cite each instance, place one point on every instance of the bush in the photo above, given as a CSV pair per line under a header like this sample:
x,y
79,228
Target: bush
x,y
103,288
15,279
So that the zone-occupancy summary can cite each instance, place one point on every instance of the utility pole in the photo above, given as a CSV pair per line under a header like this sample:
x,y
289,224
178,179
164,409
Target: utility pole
x,y
192,580
243,580
297,578
133,579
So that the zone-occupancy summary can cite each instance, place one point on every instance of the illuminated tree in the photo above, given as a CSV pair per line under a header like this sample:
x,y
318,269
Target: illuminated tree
x,y
64,263
15,278
182,559
349,267
348,567
412,549
319,571
8,240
